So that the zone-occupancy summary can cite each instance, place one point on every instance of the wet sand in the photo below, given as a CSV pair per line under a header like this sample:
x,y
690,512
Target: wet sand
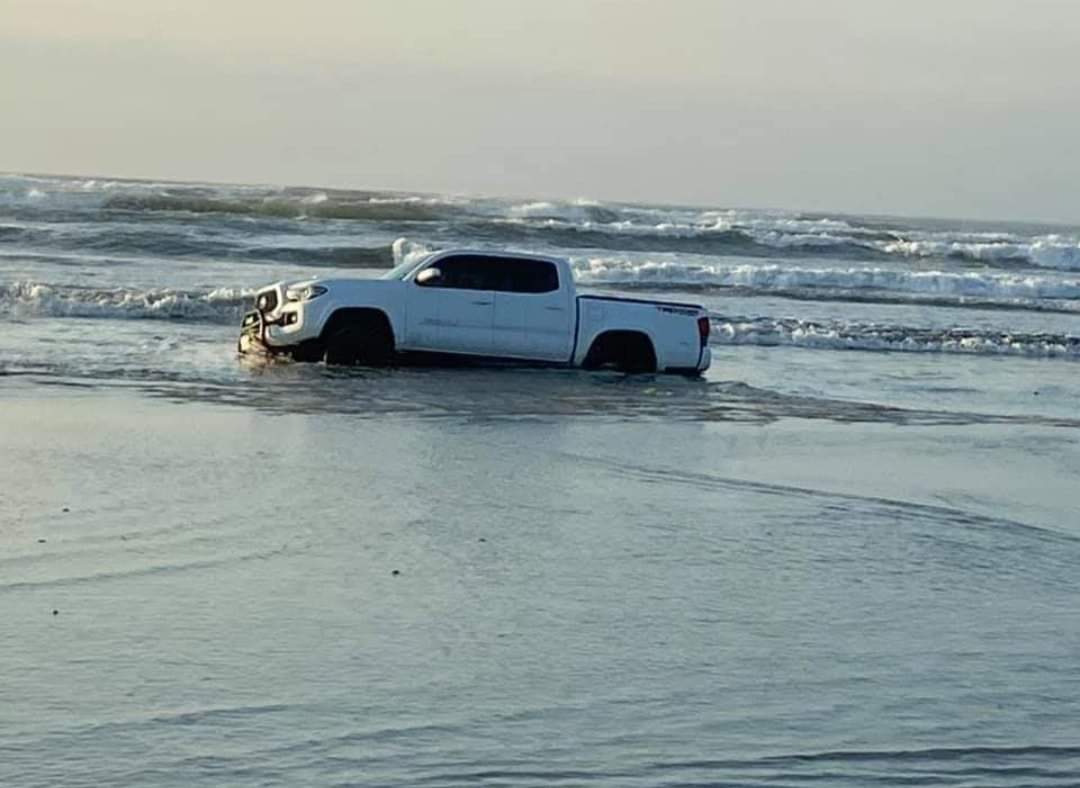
x,y
483,594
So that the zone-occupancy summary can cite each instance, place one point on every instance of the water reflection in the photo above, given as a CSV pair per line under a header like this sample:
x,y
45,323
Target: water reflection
x,y
492,394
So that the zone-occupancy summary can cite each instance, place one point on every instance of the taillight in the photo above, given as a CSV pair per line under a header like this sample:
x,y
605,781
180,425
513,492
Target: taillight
x,y
703,329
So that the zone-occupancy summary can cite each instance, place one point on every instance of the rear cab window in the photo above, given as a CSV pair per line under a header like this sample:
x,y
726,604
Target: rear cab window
x,y
529,276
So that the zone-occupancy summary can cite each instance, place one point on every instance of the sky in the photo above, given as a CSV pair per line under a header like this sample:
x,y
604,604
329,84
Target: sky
x,y
957,108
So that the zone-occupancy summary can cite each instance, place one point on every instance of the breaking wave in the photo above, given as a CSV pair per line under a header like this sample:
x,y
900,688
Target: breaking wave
x,y
1045,252
29,299
765,234
839,335
985,285
563,224
290,206
580,210
403,250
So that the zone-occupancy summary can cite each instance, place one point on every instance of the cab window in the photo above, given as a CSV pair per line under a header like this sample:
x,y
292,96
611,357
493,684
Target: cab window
x,y
504,274
528,276
464,272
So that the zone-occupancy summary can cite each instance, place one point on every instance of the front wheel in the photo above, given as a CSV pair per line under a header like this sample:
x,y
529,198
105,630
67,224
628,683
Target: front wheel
x,y
352,345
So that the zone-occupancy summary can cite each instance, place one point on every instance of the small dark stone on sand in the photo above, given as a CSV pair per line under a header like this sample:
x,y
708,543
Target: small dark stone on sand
x,y
65,509
1035,393
482,539
41,541
395,573
56,612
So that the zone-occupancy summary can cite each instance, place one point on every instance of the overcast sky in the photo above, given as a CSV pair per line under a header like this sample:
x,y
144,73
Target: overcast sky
x,y
943,107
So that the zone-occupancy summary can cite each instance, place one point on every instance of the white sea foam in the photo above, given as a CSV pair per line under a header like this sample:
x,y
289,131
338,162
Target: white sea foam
x,y
973,284
855,336
1049,251
713,232
409,251
579,211
788,233
412,199
32,299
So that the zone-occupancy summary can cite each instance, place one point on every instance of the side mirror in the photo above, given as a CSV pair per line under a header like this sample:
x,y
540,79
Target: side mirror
x,y
428,277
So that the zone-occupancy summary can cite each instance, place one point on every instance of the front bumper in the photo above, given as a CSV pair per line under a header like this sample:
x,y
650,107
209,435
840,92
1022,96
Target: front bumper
x,y
263,336
252,334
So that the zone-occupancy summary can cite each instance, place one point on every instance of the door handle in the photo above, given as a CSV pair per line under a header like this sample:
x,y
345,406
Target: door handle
x,y
482,303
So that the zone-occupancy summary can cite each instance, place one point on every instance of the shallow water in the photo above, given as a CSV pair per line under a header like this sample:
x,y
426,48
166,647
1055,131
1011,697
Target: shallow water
x,y
837,559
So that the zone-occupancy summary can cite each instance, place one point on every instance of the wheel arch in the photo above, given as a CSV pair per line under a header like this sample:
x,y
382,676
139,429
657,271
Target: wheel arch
x,y
620,346
357,316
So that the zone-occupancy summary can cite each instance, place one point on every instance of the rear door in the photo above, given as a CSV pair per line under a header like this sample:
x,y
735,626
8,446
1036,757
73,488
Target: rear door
x,y
452,313
533,314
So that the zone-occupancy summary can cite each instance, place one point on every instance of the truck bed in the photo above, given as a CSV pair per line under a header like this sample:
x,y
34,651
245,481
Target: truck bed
x,y
679,330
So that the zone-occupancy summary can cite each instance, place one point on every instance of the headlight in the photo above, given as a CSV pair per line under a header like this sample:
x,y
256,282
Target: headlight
x,y
304,293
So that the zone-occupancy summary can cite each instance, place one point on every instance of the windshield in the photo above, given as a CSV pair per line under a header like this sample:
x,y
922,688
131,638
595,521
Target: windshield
x,y
402,270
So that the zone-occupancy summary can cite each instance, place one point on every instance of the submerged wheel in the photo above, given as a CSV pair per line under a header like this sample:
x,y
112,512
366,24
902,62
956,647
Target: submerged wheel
x,y
626,351
368,343
309,352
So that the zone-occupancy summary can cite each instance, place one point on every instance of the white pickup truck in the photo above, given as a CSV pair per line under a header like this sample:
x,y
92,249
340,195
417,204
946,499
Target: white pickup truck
x,y
474,306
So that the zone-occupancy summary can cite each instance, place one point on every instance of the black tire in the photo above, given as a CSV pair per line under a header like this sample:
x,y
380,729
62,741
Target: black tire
x,y
624,351
309,352
636,361
369,345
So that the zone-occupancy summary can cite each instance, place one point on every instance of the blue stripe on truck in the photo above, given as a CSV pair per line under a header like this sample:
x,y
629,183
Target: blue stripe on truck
x,y
651,302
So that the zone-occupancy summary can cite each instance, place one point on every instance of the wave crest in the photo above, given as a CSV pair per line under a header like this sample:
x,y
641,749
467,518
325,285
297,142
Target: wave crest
x,y
567,224
837,335
30,299
300,206
973,284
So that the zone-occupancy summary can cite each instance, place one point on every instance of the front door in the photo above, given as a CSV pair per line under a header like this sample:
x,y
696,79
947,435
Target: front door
x,y
451,312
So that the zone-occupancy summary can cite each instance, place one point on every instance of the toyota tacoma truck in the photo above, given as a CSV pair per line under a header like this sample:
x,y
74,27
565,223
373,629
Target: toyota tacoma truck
x,y
475,306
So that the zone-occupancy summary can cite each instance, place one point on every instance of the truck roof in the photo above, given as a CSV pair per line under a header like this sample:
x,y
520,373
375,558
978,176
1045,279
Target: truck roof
x,y
497,253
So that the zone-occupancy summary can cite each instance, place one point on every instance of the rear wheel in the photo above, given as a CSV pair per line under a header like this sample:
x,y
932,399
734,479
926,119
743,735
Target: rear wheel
x,y
625,351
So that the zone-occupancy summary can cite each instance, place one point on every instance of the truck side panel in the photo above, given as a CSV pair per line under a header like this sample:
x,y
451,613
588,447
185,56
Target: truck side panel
x,y
672,328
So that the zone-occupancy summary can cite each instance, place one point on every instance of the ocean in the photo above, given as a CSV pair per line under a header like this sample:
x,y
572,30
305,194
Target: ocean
x,y
847,555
